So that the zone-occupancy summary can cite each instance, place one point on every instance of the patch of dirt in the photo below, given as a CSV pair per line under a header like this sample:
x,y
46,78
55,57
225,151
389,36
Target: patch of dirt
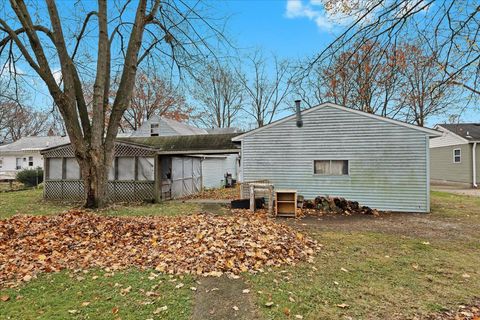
x,y
402,224
223,298
202,244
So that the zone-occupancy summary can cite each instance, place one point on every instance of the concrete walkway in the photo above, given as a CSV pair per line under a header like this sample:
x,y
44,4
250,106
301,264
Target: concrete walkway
x,y
457,190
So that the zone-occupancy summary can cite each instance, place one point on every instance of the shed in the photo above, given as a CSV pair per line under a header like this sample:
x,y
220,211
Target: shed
x,y
377,161
144,169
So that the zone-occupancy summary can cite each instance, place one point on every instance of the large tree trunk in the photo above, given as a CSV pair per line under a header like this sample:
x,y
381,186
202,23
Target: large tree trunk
x,y
94,167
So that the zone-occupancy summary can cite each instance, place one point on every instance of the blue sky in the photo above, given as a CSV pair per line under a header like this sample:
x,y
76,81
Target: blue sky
x,y
266,24
293,29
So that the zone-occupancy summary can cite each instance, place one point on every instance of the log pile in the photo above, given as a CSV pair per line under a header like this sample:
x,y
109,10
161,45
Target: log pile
x,y
335,205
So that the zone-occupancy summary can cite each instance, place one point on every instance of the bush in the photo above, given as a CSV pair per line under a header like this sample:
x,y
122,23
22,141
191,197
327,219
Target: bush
x,y
30,177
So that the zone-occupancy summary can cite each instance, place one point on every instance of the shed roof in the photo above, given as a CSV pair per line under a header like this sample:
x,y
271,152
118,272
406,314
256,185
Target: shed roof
x,y
468,131
428,131
205,143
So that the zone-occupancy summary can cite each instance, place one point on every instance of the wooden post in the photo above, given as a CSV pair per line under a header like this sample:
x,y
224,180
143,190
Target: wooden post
x,y
270,200
252,198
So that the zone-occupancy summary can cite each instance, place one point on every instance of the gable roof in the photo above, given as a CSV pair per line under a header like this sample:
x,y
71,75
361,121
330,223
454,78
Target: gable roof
x,y
33,143
205,143
428,131
174,128
468,131
183,128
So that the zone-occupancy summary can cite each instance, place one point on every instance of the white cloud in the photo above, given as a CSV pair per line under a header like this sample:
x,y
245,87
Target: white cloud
x,y
312,11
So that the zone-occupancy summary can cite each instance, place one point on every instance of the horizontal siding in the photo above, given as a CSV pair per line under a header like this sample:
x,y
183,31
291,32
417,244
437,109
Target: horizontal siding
x,y
443,168
388,162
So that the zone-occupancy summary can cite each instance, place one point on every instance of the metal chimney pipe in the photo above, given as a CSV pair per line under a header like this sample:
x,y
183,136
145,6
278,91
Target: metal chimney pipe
x,y
299,114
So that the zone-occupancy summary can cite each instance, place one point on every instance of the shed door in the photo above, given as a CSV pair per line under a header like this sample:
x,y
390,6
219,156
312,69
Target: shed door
x,y
186,176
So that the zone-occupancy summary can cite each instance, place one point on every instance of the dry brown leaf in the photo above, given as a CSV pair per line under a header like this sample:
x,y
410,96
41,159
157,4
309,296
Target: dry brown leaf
x,y
202,244
4,298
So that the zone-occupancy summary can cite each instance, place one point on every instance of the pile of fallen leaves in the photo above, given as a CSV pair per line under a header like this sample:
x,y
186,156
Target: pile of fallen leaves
x,y
463,312
217,194
201,244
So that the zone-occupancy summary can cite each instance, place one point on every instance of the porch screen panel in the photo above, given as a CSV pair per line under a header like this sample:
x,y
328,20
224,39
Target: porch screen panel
x,y
126,168
187,176
197,175
177,177
145,169
72,169
55,168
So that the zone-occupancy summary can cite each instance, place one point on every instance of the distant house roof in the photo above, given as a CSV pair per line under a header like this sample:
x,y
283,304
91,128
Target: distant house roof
x,y
26,144
223,130
206,143
166,127
468,131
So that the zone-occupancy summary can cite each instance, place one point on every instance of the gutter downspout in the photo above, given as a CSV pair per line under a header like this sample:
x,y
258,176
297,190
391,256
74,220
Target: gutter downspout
x,y
474,160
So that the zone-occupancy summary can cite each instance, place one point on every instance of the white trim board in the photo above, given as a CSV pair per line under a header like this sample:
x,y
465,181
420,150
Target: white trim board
x,y
430,132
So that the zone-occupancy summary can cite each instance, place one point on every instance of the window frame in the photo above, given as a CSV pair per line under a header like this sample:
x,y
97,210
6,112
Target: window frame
x,y
330,174
30,165
18,167
459,156
152,131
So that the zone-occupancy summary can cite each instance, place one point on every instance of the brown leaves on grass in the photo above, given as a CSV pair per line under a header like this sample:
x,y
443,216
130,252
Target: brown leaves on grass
x,y
198,244
463,312
217,194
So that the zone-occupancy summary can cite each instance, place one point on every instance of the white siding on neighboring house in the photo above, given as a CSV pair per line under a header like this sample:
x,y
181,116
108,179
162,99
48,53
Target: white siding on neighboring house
x,y
388,162
447,139
214,169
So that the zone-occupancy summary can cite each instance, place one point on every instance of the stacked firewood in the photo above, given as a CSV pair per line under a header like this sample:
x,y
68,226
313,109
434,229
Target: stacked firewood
x,y
335,205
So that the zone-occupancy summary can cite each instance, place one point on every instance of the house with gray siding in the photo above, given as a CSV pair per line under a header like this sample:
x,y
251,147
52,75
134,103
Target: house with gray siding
x,y
338,151
454,156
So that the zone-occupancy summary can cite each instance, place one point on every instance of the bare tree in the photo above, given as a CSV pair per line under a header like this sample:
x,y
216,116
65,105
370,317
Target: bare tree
x,y
365,80
126,34
448,29
265,91
154,96
220,96
419,95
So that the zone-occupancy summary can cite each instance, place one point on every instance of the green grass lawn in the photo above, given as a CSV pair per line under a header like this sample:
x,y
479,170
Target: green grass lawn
x,y
31,202
131,294
357,274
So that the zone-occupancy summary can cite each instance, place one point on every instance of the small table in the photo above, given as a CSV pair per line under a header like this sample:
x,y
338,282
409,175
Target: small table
x,y
286,203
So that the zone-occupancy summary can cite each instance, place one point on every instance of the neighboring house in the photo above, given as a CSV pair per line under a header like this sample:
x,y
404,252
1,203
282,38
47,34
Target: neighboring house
x,y
455,157
223,130
379,162
25,153
160,126
145,168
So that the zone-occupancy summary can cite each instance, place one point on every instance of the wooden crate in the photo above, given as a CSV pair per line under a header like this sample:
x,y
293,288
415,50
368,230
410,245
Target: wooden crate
x,y
286,203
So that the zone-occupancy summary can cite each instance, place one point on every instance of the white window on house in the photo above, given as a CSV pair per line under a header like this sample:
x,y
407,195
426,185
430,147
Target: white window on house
x,y
55,168
330,167
72,170
126,168
154,129
457,156
30,161
1,163
18,163
145,169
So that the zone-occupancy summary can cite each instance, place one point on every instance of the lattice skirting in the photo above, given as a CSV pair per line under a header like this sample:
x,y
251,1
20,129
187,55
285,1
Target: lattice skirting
x,y
117,191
